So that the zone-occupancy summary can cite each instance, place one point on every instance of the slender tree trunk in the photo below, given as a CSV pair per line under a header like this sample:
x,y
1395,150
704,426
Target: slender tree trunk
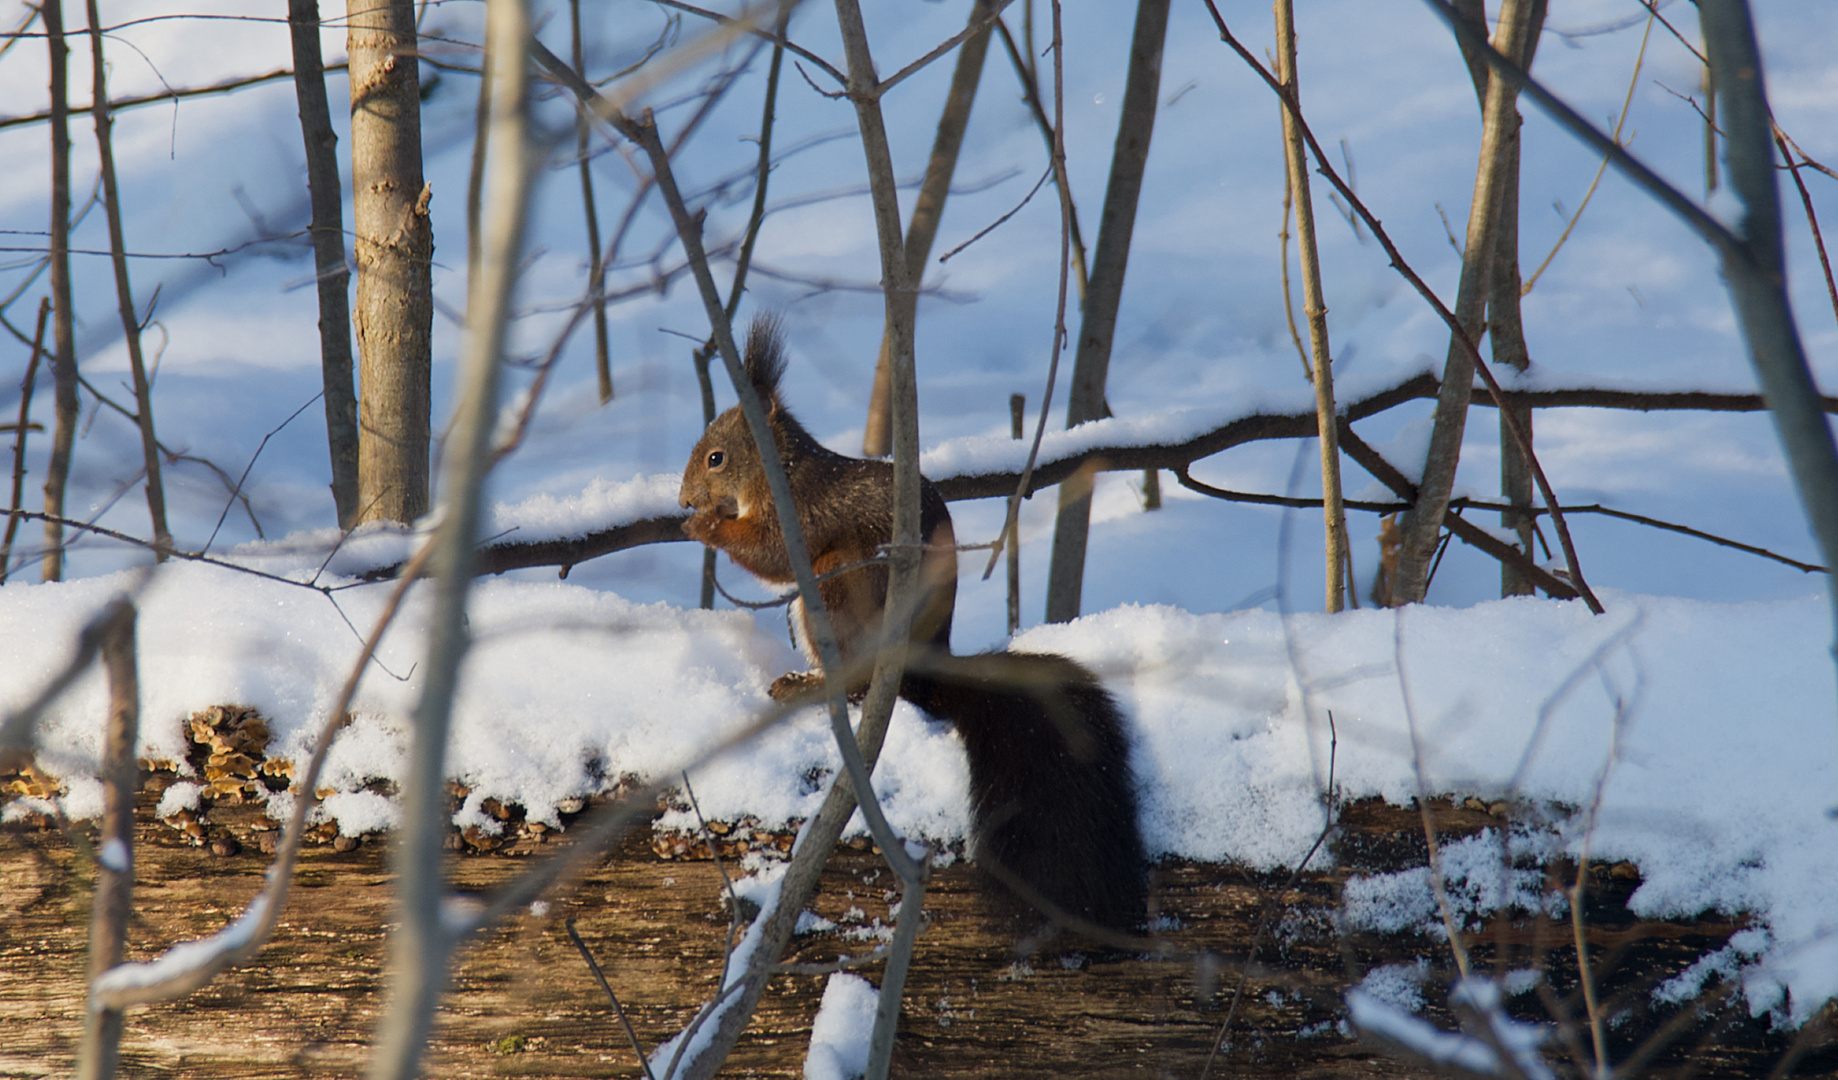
x,y
1423,523
1314,306
63,322
395,248
124,292
1505,326
603,363
329,268
1142,89
928,210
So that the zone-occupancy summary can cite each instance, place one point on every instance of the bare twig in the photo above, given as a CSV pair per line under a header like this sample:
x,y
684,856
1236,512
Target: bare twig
x,y
1812,219
224,87
120,775
19,438
596,270
600,977
124,294
1068,224
1627,104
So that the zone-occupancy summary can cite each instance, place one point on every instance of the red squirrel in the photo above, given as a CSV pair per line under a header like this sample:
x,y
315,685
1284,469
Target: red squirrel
x,y
1053,797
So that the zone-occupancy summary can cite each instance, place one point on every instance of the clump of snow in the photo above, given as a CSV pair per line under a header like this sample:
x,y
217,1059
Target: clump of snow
x,y
842,1029
1477,880
601,504
179,795
1725,963
1398,985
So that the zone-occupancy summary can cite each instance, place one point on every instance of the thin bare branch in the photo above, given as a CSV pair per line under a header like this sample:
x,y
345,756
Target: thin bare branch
x,y
19,439
224,87
99,1053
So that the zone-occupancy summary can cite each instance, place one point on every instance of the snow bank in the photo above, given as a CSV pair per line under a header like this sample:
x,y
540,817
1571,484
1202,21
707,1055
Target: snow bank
x,y
1714,722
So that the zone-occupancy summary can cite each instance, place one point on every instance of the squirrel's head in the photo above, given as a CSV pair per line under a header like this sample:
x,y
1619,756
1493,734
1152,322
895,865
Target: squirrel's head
x,y
724,478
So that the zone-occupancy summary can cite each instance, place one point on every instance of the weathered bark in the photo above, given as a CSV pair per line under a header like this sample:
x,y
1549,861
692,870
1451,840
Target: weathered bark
x,y
63,322
124,292
1314,306
329,269
928,210
120,776
1423,524
1091,366
394,248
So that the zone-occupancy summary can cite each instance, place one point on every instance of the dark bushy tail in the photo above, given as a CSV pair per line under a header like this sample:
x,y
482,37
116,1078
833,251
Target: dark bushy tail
x,y
1052,793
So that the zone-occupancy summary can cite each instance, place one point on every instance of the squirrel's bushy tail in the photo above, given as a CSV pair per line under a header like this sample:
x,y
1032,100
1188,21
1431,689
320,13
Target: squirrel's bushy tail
x,y
1052,794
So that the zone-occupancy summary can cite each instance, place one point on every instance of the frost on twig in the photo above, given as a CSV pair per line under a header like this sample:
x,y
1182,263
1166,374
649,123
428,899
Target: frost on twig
x,y
189,964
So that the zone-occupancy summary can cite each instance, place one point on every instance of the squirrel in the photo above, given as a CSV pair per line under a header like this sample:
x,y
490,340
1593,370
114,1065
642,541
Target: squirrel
x,y
1053,797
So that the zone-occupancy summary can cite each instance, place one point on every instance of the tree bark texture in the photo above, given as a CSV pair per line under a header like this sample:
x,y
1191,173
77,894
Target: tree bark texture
x,y
1091,365
63,321
394,247
928,210
124,292
1314,306
329,269
1500,126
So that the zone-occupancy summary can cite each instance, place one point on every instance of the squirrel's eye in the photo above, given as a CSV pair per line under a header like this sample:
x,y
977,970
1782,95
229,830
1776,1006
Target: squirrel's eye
x,y
715,458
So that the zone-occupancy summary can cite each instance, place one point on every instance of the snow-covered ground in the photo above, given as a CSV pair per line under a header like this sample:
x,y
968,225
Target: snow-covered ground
x,y
1702,703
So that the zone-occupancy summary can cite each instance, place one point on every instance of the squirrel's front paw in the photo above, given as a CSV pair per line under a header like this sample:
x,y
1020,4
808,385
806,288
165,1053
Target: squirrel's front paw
x,y
796,684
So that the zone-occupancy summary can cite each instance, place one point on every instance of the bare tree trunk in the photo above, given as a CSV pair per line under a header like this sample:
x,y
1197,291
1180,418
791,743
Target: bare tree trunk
x,y
124,293
1423,523
108,919
329,267
394,246
928,209
1505,326
596,273
423,942
1314,306
63,322
1142,88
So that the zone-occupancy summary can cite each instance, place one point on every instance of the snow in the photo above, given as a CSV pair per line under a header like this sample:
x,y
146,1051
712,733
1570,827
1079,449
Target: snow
x,y
183,959
842,1029
1703,701
1394,1023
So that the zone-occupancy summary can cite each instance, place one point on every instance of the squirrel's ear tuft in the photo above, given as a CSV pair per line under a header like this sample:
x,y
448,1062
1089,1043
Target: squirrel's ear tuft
x,y
765,359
